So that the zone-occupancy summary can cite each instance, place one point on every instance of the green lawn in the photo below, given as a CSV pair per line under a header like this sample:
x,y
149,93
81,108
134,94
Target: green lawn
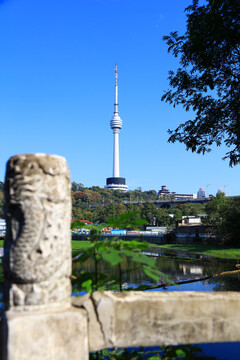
x,y
80,245
218,251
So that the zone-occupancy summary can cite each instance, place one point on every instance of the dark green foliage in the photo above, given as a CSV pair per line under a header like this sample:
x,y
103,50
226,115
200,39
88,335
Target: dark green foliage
x,y
126,221
113,251
97,205
187,352
77,187
148,213
208,80
191,209
177,214
97,195
224,216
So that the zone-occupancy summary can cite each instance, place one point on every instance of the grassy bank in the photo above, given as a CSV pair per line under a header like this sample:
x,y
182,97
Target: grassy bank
x,y
80,245
217,251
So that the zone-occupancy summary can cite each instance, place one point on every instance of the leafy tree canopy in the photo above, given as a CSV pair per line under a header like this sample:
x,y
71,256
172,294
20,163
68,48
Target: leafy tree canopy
x,y
207,81
224,214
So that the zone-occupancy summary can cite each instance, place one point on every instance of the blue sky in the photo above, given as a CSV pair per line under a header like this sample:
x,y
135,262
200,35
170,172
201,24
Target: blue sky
x,y
57,91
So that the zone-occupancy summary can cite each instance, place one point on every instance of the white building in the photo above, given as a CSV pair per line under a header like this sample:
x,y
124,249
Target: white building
x,y
165,193
201,193
191,220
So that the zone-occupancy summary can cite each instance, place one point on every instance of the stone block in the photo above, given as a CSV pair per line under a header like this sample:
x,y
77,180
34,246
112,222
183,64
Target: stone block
x,y
95,333
152,318
45,335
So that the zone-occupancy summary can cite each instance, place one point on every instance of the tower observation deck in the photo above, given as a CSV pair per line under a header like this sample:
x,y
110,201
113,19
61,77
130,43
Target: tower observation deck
x,y
116,182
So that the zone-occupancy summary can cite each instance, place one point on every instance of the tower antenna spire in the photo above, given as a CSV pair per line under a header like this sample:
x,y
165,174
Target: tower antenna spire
x,y
116,91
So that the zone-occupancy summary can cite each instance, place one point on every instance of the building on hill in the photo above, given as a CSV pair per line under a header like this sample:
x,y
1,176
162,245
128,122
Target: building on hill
x,y
165,193
190,220
201,193
184,196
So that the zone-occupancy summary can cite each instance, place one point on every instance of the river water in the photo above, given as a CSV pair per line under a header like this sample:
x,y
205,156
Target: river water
x,y
179,269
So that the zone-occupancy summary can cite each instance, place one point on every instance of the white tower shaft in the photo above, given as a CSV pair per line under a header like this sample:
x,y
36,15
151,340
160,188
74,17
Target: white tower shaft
x,y
116,171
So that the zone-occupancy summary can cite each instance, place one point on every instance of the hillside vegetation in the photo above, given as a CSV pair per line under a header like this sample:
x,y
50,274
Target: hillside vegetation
x,y
99,204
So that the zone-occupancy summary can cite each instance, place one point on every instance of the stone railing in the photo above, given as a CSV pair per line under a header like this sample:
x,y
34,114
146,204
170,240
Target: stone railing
x,y
40,320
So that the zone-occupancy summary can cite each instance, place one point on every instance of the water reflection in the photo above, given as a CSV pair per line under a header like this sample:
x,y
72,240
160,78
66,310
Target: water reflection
x,y
178,270
191,269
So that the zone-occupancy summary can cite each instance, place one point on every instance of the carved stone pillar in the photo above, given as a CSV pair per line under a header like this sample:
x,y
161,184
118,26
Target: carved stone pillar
x,y
37,260
38,321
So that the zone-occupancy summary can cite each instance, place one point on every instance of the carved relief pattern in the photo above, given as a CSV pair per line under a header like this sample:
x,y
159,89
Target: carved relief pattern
x,y
37,261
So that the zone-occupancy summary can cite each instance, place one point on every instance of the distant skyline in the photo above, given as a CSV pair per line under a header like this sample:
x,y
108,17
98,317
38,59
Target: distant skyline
x,y
57,92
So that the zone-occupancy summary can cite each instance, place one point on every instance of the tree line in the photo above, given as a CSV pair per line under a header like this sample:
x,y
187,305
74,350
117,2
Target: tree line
x,y
223,213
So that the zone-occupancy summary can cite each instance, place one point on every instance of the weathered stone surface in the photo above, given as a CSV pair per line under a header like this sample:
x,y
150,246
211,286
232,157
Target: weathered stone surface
x,y
37,253
154,318
96,335
46,335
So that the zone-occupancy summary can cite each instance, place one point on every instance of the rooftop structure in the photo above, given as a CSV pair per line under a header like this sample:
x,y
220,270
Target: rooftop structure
x,y
165,193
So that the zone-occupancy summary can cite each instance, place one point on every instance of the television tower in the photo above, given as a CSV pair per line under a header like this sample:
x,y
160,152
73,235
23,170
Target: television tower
x,y
116,182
